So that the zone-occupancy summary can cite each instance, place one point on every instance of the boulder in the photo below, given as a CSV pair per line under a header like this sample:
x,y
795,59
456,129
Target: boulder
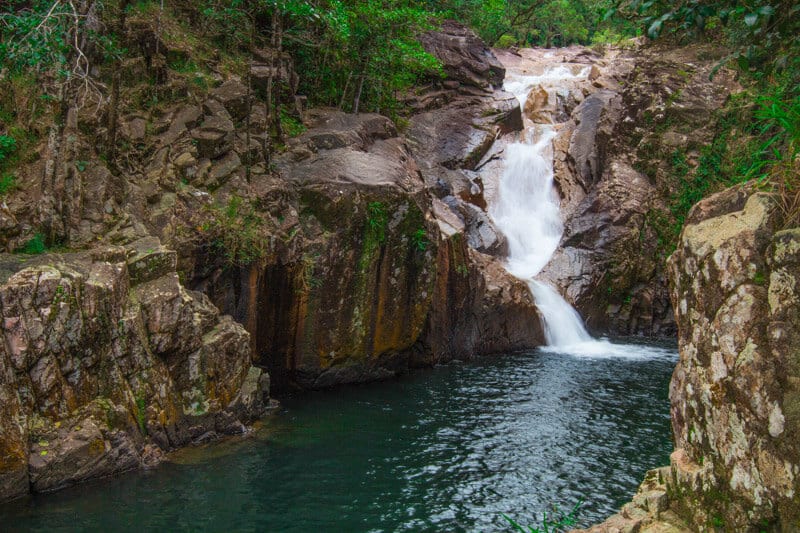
x,y
214,137
466,59
233,95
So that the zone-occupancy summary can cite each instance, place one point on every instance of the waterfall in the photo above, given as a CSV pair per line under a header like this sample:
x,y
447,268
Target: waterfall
x,y
527,212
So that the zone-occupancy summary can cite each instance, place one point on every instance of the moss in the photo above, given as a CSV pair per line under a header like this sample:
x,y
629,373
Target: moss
x,y
141,412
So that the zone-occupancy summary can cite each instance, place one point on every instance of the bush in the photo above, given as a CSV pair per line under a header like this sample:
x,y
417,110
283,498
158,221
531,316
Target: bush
x,y
8,182
8,145
35,246
557,522
506,41
235,230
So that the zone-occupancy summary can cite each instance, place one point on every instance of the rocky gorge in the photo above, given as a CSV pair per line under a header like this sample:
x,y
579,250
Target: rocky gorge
x,y
376,253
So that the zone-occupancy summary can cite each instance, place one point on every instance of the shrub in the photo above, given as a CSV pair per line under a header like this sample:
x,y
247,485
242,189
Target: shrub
x,y
235,230
556,523
8,145
506,41
35,246
8,182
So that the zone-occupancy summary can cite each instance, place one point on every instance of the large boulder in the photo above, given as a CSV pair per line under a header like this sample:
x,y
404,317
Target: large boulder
x,y
464,56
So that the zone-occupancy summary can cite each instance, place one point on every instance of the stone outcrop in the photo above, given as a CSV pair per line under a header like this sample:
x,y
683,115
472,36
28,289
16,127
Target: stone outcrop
x,y
107,361
649,511
356,301
375,276
736,389
465,58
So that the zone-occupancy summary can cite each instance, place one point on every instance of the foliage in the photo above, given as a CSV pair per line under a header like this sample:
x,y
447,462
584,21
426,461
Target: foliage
x,y
290,125
141,413
538,22
8,145
35,246
235,230
420,239
556,523
370,53
762,34
506,41
58,41
759,137
8,182
376,221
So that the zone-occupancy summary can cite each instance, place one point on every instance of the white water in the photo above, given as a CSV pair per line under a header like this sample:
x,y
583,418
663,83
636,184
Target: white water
x,y
527,212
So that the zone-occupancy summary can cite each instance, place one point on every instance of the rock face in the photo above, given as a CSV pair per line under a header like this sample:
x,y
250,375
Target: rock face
x,y
384,257
649,511
106,361
357,300
377,276
736,390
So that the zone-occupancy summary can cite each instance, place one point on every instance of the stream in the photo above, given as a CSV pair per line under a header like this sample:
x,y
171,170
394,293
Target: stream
x,y
447,449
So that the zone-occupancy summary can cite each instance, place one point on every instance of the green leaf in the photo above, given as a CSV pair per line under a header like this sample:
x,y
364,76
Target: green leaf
x,y
767,11
751,19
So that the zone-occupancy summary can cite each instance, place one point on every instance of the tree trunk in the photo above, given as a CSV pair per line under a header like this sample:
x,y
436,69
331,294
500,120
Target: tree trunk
x,y
277,98
344,92
271,76
357,98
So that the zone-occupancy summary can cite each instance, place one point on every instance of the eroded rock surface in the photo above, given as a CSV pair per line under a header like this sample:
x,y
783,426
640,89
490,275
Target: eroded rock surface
x,y
735,390
107,361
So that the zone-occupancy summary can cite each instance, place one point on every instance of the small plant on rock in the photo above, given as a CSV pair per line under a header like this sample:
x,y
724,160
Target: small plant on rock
x,y
557,522
235,230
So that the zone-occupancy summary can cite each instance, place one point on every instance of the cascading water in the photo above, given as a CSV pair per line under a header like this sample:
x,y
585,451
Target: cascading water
x,y
527,212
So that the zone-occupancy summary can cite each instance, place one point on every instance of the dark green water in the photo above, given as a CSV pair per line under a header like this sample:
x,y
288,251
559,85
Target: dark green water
x,y
448,449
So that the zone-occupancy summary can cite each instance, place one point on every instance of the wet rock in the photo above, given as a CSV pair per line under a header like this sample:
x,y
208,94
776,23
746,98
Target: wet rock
x,y
612,173
586,150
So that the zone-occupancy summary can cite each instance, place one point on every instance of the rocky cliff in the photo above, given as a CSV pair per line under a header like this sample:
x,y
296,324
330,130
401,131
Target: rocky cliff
x,y
330,252
734,393
735,390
